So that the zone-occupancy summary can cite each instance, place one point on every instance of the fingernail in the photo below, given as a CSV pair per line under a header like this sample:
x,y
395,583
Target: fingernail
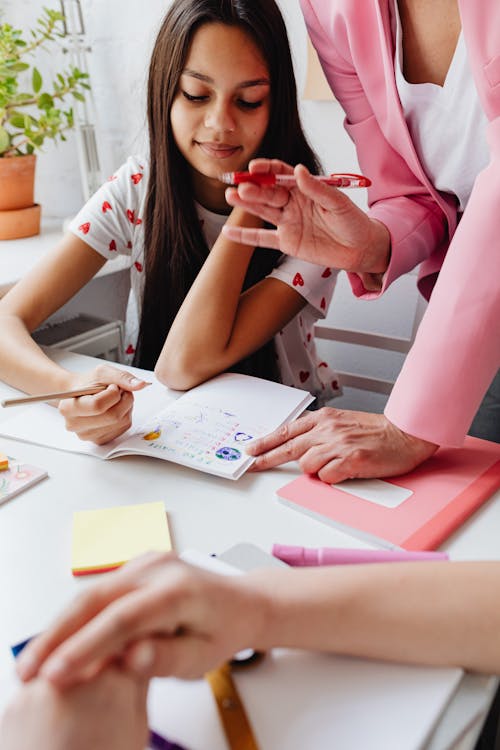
x,y
142,656
54,668
25,666
135,381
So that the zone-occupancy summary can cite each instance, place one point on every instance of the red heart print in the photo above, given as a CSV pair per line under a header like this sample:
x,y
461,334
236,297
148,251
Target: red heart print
x,y
323,303
136,178
84,227
112,177
308,337
138,221
106,207
130,349
326,273
303,375
298,280
138,266
129,245
323,364
112,245
335,385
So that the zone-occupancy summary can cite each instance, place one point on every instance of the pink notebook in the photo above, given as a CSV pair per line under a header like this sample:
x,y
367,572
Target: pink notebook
x,y
428,504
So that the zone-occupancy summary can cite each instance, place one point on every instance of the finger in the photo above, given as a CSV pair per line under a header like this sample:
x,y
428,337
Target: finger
x,y
134,616
85,607
123,379
336,470
261,208
276,166
281,435
326,196
317,457
86,406
292,450
256,237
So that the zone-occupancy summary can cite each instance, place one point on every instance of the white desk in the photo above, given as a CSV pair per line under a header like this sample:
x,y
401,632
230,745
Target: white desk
x,y
205,513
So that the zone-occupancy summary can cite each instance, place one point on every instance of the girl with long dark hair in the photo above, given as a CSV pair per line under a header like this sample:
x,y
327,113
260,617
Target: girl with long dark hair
x,y
221,92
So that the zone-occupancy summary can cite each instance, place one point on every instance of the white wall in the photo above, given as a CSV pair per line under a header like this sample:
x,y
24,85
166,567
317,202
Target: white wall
x,y
121,33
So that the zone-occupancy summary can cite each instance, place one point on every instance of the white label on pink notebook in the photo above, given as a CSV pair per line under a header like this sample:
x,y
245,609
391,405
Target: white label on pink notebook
x,y
375,491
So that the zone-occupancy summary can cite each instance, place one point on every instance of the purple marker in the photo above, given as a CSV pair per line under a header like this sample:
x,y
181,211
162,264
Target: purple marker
x,y
303,557
157,742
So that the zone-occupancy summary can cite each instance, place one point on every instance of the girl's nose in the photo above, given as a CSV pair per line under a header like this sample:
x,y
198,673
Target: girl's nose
x,y
219,118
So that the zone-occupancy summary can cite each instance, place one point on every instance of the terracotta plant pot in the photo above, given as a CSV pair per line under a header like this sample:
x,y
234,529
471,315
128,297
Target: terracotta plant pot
x,y
19,215
22,222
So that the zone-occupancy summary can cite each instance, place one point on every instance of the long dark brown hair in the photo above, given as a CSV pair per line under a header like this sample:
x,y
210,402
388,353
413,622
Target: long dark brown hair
x,y
175,248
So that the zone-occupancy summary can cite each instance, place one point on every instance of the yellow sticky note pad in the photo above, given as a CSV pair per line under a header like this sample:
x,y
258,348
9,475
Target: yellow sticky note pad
x,y
105,539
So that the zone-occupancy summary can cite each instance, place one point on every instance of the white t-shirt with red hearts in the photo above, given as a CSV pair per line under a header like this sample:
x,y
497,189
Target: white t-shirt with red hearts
x,y
111,223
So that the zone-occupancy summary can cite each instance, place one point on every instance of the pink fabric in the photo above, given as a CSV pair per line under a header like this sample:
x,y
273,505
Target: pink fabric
x,y
457,349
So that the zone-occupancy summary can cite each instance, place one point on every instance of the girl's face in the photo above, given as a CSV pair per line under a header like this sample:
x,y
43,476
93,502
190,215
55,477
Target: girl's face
x,y
220,112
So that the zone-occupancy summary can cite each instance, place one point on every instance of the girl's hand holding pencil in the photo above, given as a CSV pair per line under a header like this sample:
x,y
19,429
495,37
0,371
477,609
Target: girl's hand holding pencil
x,y
97,406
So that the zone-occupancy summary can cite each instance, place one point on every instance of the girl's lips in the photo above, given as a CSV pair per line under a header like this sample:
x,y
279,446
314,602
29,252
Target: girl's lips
x,y
218,150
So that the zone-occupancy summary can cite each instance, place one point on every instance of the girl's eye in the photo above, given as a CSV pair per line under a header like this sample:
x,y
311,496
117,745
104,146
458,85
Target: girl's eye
x,y
192,98
249,105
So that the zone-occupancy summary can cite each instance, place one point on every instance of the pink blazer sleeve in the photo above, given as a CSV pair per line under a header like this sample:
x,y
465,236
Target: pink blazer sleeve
x,y
457,350
342,33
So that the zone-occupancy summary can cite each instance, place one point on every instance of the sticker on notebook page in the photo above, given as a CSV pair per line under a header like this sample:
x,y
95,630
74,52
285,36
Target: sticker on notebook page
x,y
375,491
228,454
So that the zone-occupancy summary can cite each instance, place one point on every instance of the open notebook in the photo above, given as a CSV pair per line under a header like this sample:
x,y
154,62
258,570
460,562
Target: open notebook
x,y
205,428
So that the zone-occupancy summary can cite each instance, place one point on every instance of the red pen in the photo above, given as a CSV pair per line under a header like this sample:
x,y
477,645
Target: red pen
x,y
344,179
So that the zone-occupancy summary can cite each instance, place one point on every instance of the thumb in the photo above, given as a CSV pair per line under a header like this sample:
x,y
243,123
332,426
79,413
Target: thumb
x,y
123,379
327,196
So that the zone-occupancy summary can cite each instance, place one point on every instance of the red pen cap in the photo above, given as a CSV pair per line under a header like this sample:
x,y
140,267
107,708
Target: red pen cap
x,y
257,178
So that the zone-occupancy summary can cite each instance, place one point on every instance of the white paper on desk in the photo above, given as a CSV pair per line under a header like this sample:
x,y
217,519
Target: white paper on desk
x,y
300,701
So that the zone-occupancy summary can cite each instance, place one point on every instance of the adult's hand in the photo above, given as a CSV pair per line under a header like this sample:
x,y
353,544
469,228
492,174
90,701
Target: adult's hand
x,y
314,221
107,713
338,445
105,415
155,616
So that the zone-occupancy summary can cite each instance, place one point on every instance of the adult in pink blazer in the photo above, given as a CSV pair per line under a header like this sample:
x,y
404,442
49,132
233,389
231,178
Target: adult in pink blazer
x,y
456,354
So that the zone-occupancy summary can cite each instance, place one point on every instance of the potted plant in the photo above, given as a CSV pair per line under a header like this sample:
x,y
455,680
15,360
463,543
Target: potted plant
x,y
29,114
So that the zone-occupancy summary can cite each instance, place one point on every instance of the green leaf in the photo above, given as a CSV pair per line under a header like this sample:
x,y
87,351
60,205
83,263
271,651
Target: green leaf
x,y
17,120
45,101
78,96
36,80
4,140
17,67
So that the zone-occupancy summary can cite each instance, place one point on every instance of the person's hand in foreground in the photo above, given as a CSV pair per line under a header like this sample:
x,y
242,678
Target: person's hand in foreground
x,y
155,616
106,415
107,713
338,445
314,221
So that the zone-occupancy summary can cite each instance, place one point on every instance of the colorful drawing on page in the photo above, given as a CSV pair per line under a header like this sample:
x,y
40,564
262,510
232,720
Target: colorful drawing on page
x,y
228,454
242,437
198,433
153,435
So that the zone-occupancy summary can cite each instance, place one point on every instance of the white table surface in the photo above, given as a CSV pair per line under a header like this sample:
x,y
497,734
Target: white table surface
x,y
205,513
